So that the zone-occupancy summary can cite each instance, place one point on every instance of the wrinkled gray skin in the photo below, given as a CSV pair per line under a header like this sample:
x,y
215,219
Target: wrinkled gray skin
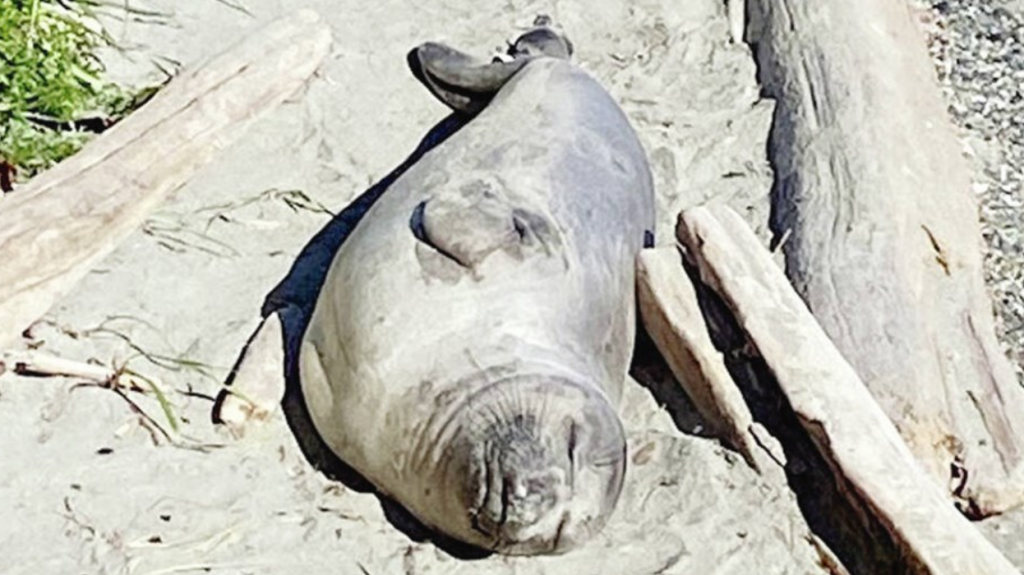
x,y
474,332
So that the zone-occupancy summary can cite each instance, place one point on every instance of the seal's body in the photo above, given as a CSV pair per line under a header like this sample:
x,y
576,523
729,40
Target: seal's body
x,y
474,332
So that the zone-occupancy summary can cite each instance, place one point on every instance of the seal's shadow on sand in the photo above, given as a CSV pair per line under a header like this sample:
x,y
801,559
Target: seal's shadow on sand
x,y
294,299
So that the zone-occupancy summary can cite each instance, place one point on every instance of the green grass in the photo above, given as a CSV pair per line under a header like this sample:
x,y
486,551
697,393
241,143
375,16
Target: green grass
x,y
53,97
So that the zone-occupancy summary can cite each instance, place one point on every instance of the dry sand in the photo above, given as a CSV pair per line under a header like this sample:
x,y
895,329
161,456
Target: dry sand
x,y
88,486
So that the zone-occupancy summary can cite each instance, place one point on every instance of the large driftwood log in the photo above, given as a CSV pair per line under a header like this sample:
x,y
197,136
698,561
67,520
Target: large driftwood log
x,y
833,405
60,225
884,242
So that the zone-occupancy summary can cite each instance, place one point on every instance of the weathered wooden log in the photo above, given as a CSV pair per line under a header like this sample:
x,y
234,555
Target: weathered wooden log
x,y
672,317
831,402
60,225
884,241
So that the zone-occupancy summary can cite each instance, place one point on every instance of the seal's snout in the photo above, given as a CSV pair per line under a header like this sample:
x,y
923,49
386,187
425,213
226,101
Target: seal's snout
x,y
539,462
523,490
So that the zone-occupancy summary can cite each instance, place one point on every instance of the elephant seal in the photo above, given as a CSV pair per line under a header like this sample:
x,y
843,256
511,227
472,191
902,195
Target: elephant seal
x,y
469,345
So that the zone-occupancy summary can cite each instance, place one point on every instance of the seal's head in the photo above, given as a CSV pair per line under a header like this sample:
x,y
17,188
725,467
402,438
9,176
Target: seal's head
x,y
534,465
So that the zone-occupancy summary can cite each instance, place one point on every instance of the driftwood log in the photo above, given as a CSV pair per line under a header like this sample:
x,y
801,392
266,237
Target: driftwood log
x,y
846,424
673,318
883,236
60,225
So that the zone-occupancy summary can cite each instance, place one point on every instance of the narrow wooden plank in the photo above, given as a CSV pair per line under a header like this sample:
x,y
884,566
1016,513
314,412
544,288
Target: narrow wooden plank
x,y
672,317
60,225
736,12
883,236
847,425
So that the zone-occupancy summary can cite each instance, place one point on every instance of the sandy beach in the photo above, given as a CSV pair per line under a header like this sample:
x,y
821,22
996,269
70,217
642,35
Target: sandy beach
x,y
97,481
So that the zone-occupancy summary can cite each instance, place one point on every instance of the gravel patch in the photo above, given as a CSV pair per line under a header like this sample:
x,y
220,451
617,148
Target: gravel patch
x,y
978,50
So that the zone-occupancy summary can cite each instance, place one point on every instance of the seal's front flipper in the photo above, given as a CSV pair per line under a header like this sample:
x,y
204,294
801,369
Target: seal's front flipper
x,y
462,82
256,385
478,220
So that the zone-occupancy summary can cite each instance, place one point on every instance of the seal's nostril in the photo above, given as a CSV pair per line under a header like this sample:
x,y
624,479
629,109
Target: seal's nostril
x,y
507,495
572,451
560,531
536,485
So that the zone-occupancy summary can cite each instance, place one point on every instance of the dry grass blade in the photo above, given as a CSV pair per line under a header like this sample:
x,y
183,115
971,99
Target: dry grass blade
x,y
161,397
177,237
296,200
179,362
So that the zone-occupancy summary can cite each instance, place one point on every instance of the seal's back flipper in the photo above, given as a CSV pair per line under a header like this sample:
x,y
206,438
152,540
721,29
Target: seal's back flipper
x,y
462,82
542,40
466,84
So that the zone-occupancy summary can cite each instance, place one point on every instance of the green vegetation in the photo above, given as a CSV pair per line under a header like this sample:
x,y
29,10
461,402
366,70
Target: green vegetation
x,y
52,93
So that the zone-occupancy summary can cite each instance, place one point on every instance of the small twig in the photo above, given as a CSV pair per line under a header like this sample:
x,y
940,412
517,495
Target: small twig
x,y
196,394
178,238
192,567
782,241
295,200
119,380
146,419
236,6
72,516
34,363
941,256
